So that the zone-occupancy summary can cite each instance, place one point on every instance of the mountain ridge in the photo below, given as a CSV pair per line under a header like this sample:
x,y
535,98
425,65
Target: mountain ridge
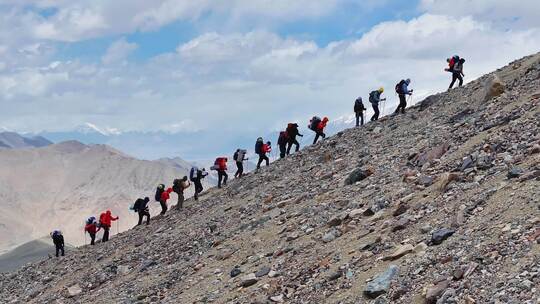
x,y
411,209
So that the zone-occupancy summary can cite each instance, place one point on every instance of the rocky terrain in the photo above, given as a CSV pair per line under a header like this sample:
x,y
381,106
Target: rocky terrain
x,y
60,185
440,205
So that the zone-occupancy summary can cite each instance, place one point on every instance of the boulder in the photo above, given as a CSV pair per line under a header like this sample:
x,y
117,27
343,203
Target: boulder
x,y
440,235
428,156
380,284
358,175
494,88
399,252
74,290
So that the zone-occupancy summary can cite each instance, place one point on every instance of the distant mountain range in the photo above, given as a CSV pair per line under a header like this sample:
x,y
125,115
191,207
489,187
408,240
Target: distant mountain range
x,y
12,140
59,185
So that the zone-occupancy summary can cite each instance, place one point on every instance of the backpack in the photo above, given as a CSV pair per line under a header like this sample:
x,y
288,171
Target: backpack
x,y
137,204
283,138
314,123
359,105
240,155
220,164
176,186
193,174
258,145
91,220
399,87
372,98
160,189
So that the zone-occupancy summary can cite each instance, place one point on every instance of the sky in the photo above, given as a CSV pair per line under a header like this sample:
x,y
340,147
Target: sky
x,y
236,67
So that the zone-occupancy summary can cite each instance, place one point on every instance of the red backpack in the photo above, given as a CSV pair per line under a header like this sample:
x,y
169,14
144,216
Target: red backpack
x,y
221,163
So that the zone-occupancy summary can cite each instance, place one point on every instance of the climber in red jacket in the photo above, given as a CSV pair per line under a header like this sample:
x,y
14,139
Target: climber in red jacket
x,y
319,129
92,228
105,222
164,198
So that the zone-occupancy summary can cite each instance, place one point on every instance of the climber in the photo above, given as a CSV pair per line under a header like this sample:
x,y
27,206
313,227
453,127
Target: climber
x,y
318,125
165,196
196,175
179,185
220,165
239,157
141,207
283,139
402,89
261,149
105,221
58,241
375,99
92,228
292,132
457,72
359,111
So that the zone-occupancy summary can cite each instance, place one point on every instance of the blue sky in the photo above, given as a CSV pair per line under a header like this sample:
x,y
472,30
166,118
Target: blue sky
x,y
237,68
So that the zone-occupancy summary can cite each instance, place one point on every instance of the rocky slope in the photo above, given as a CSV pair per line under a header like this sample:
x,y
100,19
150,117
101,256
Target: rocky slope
x,y
60,185
439,205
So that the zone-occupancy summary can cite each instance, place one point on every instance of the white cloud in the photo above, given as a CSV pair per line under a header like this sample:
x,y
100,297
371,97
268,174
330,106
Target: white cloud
x,y
505,14
118,51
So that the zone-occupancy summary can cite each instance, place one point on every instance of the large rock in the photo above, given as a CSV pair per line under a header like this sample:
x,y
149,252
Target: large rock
x,y
440,235
428,156
358,175
74,290
399,252
381,283
494,88
435,291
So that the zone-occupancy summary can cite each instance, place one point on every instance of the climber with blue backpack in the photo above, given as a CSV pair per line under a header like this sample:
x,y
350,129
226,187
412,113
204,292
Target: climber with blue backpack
x,y
375,99
402,89
92,229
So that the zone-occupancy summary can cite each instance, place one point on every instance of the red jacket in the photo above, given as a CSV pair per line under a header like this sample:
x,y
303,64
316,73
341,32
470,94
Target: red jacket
x,y
322,124
91,228
165,196
105,219
221,163
266,148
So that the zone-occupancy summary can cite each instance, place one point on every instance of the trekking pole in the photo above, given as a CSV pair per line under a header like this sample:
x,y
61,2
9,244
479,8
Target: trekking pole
x,y
84,237
117,224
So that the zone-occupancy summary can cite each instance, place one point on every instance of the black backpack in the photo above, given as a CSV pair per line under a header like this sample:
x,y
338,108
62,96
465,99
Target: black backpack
x,y
358,106
138,204
399,86
314,123
258,145
372,97
160,189
176,186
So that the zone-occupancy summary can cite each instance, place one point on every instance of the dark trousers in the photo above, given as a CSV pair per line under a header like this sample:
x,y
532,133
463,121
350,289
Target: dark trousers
x,y
402,104
376,110
163,207
317,135
261,158
59,248
282,150
291,143
456,76
180,203
142,214
359,118
240,170
198,188
222,178
105,233
92,238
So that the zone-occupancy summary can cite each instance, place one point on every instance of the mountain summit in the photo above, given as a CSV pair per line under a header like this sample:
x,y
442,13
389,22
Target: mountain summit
x,y
439,205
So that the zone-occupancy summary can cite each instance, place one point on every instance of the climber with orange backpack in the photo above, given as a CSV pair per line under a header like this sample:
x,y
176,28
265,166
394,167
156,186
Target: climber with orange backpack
x,y
292,132
456,68
317,125
261,149
220,165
